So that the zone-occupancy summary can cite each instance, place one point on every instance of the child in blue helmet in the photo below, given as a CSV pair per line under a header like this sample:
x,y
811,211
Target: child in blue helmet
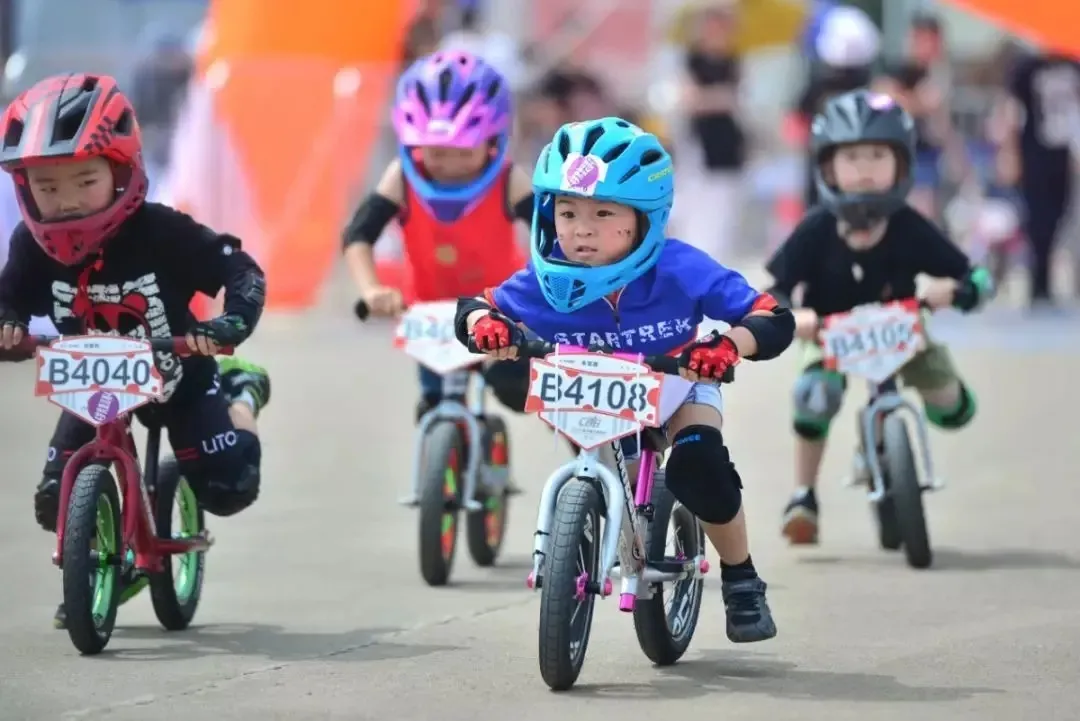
x,y
603,272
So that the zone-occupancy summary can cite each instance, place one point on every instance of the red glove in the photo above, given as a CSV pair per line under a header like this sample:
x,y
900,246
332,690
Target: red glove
x,y
711,356
494,331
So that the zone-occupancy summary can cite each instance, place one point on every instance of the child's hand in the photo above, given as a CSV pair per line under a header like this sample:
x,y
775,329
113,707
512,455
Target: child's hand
x,y
209,337
495,334
807,323
12,333
383,301
940,292
708,358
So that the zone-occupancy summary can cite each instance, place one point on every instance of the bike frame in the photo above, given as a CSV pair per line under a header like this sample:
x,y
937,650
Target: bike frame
x,y
114,445
455,385
885,398
627,515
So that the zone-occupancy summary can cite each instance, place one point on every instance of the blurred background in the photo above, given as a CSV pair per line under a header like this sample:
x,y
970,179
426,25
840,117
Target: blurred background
x,y
271,119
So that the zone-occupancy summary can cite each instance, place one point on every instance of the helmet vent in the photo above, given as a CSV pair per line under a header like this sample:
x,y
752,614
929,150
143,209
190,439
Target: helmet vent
x,y
446,79
124,124
493,90
651,156
591,138
422,96
466,96
564,144
615,152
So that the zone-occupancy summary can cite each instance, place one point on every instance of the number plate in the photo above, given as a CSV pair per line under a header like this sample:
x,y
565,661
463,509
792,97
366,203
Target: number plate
x,y
426,334
97,378
593,399
873,341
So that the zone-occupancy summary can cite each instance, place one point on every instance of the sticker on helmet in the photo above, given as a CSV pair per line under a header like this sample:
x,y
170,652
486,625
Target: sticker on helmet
x,y
582,173
880,101
438,126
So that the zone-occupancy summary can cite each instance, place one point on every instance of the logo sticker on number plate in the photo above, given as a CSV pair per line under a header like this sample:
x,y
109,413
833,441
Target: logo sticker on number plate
x,y
593,399
97,378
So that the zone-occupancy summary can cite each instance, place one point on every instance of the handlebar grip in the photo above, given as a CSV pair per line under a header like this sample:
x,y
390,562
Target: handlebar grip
x,y
361,310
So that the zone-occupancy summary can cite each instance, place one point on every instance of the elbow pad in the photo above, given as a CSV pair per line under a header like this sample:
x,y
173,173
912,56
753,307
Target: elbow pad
x,y
975,289
523,209
245,294
465,307
370,220
773,332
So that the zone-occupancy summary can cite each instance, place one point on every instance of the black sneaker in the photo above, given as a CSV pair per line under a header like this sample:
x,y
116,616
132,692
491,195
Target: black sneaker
x,y
748,616
801,519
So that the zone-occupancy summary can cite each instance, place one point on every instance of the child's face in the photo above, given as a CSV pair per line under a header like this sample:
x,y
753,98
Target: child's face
x,y
594,232
864,168
454,165
65,189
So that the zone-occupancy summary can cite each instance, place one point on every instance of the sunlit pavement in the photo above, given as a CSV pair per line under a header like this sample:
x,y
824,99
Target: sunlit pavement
x,y
314,608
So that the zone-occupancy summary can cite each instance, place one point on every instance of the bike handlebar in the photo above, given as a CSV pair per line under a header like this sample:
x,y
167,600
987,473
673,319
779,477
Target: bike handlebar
x,y
667,365
176,345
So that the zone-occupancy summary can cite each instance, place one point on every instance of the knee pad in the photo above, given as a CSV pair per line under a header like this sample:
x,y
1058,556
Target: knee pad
x,y
509,381
954,418
702,477
818,395
47,503
227,493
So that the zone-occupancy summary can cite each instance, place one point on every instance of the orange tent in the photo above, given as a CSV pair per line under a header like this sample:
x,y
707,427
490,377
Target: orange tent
x,y
1053,24
288,102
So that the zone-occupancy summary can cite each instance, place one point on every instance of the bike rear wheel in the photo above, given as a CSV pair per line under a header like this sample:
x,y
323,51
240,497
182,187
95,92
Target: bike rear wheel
x,y
566,605
443,462
175,591
666,628
92,556
485,529
905,489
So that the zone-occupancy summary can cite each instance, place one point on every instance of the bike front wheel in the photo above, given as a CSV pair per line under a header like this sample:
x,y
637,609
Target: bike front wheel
x,y
92,556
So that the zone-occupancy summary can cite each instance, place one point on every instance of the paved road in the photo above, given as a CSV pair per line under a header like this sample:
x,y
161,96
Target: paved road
x,y
314,608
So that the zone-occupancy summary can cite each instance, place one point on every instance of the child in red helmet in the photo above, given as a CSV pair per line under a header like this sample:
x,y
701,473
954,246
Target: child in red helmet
x,y
95,257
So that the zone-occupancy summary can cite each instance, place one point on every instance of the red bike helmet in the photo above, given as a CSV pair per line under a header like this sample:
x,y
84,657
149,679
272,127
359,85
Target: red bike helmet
x,y
74,117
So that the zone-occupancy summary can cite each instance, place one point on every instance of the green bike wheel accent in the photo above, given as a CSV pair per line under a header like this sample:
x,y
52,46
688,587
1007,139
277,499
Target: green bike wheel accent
x,y
175,591
106,575
449,519
187,575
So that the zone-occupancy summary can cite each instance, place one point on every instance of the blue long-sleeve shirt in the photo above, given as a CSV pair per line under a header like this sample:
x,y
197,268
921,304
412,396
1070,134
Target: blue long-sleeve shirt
x,y
655,314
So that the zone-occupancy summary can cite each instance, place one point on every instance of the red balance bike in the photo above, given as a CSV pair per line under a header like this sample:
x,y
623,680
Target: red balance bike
x,y
108,531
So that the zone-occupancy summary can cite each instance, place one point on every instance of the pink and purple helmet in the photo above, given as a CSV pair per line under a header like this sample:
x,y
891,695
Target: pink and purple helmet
x,y
451,99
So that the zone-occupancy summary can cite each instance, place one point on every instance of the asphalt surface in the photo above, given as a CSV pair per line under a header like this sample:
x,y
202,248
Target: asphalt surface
x,y
314,607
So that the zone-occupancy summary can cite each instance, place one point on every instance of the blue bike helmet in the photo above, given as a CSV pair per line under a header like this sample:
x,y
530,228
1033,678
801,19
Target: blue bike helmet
x,y
607,159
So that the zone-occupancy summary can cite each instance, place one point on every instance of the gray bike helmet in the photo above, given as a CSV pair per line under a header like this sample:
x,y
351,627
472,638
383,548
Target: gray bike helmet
x,y
861,116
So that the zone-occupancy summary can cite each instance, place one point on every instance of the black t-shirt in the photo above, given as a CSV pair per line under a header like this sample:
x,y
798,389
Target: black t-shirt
x,y
1048,89
823,84
836,278
722,142
149,274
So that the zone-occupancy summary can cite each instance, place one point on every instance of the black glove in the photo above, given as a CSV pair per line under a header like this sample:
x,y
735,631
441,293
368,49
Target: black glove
x,y
227,330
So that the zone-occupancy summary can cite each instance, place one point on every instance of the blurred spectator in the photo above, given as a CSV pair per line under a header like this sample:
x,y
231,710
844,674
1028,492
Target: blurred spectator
x,y
846,45
712,151
921,84
1041,136
423,34
158,87
500,50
